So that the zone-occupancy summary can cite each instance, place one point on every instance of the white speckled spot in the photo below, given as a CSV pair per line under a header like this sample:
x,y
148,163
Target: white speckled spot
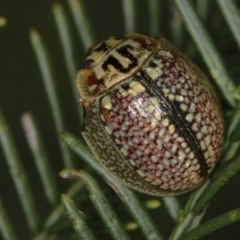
x,y
92,88
153,123
191,155
159,144
179,98
187,163
167,138
165,53
183,145
204,129
210,150
174,148
132,162
141,173
207,140
157,115
192,107
164,178
189,117
198,117
182,155
173,162
183,92
187,150
165,90
154,72
182,79
183,107
197,167
152,135
195,161
160,166
165,122
180,139
161,132
202,145
124,151
154,101
147,151
199,135
102,117
124,127
154,158
171,129
171,97
108,130
167,154
148,179
150,109
135,88
106,102
123,92
195,127
136,140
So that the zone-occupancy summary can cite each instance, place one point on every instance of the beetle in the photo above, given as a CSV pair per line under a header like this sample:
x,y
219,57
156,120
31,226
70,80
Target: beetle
x,y
151,117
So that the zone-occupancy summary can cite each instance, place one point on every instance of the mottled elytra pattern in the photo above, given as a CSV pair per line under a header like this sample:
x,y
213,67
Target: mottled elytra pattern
x,y
159,130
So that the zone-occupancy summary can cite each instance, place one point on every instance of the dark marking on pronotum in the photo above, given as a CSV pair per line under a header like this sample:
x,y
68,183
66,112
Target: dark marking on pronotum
x,y
103,47
123,51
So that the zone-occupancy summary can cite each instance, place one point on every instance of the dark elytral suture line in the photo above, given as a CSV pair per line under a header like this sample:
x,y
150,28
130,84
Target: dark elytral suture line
x,y
175,115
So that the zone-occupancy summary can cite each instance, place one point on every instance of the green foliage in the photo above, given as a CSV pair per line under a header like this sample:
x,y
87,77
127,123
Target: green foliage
x,y
192,25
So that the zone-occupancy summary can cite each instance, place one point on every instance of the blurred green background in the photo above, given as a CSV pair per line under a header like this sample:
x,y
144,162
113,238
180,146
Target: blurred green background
x,y
21,89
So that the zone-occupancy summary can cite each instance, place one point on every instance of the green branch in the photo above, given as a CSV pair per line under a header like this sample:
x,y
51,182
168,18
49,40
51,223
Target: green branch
x,y
99,201
207,48
212,225
76,217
